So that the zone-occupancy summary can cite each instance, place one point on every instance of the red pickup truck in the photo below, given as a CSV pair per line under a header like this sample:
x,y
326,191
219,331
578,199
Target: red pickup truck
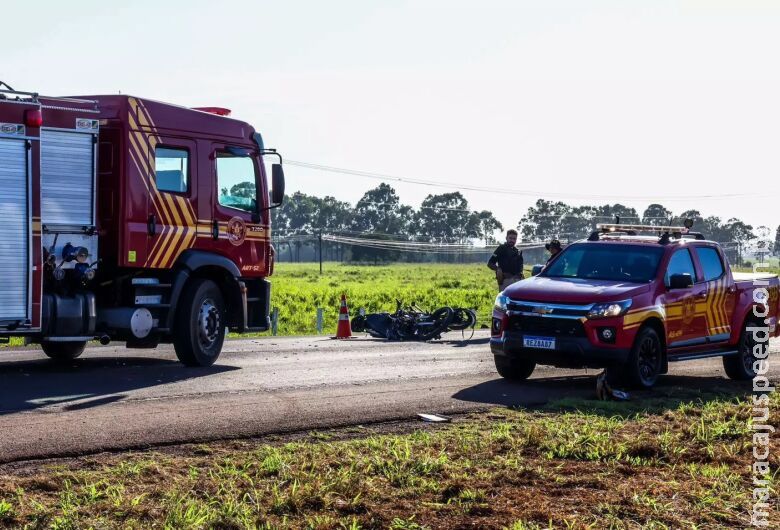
x,y
633,303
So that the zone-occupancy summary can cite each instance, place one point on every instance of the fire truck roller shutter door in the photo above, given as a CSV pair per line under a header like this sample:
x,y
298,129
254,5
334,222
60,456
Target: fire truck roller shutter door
x,y
15,231
67,178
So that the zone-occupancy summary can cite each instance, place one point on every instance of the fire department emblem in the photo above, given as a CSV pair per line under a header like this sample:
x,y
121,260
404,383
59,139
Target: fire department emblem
x,y
236,231
688,310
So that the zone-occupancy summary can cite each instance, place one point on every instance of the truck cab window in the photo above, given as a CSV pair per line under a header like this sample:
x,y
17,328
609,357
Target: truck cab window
x,y
681,263
710,262
170,169
236,182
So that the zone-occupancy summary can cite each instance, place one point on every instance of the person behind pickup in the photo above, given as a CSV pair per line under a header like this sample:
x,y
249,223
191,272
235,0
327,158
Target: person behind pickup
x,y
553,247
507,261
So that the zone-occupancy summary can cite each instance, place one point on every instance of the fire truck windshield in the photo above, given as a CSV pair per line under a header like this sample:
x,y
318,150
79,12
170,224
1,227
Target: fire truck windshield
x,y
609,261
237,182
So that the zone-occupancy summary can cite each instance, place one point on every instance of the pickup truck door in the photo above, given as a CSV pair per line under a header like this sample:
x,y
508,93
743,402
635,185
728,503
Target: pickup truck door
x,y
721,293
685,326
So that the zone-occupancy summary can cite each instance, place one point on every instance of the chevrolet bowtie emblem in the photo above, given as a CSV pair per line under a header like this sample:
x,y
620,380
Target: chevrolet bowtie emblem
x,y
543,310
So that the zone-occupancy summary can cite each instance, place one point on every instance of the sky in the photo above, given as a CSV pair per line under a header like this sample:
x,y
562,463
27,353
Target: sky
x,y
588,102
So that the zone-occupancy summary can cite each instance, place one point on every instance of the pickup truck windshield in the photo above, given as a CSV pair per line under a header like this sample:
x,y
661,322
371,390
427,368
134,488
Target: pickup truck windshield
x,y
620,263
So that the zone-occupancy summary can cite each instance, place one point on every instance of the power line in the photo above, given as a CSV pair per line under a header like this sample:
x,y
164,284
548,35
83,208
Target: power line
x,y
505,191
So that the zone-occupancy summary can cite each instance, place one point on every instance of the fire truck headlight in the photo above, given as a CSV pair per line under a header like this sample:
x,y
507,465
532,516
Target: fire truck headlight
x,y
609,309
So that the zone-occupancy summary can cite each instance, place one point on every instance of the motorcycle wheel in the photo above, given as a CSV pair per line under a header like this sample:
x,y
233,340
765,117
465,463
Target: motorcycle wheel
x,y
442,318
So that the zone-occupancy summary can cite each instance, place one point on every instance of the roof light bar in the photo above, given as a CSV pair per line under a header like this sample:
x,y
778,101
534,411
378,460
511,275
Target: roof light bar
x,y
613,227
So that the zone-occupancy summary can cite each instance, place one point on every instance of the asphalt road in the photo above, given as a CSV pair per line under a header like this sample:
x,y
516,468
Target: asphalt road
x,y
113,398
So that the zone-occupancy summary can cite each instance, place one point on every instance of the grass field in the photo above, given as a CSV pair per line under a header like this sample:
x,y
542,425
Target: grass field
x,y
677,460
298,289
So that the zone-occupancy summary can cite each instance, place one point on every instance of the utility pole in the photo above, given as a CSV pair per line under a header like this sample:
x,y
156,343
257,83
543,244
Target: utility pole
x,y
319,238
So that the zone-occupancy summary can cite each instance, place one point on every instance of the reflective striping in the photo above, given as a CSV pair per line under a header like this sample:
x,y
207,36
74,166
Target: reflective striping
x,y
176,214
14,237
67,177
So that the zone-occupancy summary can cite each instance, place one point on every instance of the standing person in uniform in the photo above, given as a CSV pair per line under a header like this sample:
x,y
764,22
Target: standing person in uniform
x,y
507,261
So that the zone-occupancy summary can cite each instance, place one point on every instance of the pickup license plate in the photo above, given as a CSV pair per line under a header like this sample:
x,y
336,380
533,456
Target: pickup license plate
x,y
543,343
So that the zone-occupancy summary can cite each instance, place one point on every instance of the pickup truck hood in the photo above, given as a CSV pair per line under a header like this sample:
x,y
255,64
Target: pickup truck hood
x,y
573,290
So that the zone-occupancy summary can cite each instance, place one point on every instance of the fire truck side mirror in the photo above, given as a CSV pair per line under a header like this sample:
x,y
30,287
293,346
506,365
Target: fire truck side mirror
x,y
277,183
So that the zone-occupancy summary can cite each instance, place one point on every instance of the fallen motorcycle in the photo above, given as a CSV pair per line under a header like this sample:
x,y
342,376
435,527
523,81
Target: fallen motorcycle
x,y
412,323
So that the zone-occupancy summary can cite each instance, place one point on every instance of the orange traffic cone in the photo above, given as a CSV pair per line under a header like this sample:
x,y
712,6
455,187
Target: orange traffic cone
x,y
344,330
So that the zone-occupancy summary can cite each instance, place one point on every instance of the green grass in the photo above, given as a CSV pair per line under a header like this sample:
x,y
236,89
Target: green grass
x,y
682,462
298,290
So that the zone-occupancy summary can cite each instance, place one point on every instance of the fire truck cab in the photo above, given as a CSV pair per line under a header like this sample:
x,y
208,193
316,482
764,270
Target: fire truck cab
x,y
134,220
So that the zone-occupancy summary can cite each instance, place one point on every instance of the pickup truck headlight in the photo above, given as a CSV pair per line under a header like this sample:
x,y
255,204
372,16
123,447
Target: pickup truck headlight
x,y
501,302
609,309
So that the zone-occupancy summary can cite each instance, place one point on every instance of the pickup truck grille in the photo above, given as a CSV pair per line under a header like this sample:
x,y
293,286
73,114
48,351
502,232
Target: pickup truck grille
x,y
557,327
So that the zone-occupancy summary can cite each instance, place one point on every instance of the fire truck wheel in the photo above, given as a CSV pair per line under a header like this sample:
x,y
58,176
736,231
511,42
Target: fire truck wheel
x,y
63,351
644,363
740,366
514,369
200,324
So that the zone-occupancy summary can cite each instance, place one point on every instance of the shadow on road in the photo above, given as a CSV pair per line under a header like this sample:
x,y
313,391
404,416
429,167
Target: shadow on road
x,y
88,382
579,392
462,343
456,342
532,392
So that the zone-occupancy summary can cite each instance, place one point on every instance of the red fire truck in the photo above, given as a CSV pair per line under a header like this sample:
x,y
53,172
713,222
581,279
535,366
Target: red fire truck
x,y
129,219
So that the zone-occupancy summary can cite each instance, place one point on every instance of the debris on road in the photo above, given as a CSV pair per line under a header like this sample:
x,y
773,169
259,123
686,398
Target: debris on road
x,y
434,418
605,392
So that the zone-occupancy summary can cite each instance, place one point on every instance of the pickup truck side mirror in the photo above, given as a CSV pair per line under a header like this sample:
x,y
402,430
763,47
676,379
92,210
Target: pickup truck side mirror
x,y
536,270
277,182
680,281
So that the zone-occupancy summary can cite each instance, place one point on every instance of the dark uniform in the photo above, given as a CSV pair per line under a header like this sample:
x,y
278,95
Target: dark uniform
x,y
510,260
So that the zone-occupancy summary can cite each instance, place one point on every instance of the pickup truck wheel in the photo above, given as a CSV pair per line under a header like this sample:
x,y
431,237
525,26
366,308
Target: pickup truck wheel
x,y
63,351
644,363
200,325
514,369
740,366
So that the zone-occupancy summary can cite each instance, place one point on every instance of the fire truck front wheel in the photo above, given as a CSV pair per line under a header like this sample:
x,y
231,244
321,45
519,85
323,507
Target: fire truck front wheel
x,y
200,324
63,351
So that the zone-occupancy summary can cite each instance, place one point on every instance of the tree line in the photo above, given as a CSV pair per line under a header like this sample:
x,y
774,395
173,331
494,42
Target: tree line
x,y
447,219
379,215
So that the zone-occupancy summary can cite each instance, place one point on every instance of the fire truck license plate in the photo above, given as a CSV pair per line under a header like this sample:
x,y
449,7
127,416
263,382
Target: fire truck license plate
x,y
544,343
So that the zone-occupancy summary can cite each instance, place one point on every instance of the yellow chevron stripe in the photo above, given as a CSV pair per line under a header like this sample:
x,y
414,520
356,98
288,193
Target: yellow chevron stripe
x,y
166,209
181,208
166,238
177,234
157,243
717,306
181,230
159,239
187,243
